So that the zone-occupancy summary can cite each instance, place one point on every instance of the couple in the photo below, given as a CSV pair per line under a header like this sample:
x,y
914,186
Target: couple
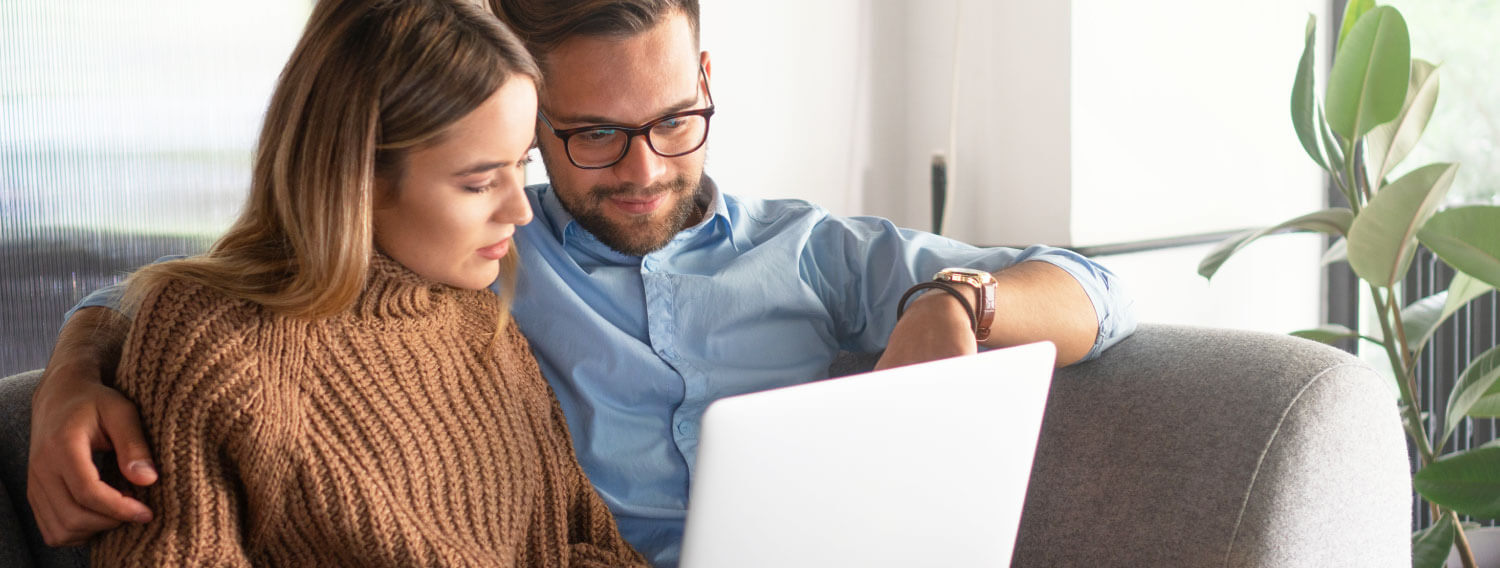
x,y
330,380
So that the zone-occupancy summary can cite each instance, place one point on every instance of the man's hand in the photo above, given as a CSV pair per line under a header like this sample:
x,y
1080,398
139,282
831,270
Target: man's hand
x,y
72,415
934,326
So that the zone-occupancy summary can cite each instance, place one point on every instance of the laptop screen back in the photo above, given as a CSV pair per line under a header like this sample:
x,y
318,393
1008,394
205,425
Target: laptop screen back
x,y
924,465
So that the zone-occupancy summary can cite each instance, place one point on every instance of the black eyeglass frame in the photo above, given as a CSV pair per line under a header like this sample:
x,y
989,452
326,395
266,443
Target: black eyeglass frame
x,y
642,130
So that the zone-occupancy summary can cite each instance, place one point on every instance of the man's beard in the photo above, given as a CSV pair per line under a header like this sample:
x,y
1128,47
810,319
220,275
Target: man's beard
x,y
645,233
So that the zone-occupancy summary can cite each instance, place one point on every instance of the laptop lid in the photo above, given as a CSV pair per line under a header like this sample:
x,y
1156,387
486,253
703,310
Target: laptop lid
x,y
924,465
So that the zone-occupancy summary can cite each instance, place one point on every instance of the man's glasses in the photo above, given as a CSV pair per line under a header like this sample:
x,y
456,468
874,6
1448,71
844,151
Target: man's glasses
x,y
604,145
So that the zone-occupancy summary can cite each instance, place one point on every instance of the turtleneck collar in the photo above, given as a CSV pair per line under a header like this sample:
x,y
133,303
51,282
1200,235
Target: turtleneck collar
x,y
393,291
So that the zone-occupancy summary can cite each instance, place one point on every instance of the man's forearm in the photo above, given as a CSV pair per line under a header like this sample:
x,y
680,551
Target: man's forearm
x,y
1034,301
1037,301
87,349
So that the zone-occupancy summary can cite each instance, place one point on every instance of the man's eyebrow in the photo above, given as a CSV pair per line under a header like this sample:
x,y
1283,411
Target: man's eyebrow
x,y
593,119
480,167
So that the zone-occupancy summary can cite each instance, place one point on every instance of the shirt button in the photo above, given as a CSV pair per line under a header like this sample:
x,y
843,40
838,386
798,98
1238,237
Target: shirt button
x,y
686,428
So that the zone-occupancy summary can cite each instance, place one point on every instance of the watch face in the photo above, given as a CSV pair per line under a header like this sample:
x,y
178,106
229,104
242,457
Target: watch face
x,y
949,273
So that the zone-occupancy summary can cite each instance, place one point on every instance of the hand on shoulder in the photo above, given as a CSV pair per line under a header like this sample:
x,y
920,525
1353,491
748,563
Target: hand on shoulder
x,y
73,415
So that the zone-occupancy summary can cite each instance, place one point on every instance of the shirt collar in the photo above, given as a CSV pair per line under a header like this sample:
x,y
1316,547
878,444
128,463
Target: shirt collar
x,y
564,225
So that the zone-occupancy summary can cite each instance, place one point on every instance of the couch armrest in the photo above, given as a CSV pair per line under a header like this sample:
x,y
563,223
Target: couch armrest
x,y
13,550
15,413
20,541
1187,446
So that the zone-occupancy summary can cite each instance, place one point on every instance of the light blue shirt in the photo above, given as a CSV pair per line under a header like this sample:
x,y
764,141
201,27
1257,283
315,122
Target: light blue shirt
x,y
759,294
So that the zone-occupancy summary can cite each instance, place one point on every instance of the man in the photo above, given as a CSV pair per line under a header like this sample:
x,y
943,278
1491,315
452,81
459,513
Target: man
x,y
646,292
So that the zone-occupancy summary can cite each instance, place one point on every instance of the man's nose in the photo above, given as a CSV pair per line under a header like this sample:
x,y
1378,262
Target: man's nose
x,y
640,166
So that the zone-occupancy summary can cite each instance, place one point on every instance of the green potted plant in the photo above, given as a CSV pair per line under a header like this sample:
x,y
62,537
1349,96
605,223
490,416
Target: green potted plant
x,y
1374,110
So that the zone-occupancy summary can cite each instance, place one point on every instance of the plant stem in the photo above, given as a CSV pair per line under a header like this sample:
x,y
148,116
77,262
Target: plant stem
x,y
1362,179
1461,542
1338,183
1410,410
1409,357
1360,195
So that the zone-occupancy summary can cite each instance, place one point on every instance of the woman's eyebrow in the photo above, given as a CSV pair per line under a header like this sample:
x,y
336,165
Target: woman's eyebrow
x,y
480,167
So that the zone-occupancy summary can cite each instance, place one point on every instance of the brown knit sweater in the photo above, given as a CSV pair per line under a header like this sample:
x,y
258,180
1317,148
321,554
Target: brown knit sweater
x,y
397,434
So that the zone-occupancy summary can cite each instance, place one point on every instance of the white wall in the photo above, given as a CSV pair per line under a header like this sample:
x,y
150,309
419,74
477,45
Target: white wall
x,y
1080,123
1186,100
1069,113
791,95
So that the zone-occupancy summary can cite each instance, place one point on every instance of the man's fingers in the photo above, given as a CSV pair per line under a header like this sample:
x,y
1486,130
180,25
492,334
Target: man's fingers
x,y
64,524
99,498
122,425
81,482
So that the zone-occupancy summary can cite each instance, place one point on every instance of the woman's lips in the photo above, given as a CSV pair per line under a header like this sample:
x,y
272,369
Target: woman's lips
x,y
495,251
638,205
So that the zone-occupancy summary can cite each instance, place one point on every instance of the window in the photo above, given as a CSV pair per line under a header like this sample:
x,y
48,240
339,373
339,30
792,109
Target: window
x,y
1459,36
125,134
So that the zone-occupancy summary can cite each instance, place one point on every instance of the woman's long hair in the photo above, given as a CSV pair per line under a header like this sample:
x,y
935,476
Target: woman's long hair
x,y
370,81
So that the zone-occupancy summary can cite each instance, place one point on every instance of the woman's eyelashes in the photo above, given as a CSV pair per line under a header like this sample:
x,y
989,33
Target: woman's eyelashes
x,y
483,187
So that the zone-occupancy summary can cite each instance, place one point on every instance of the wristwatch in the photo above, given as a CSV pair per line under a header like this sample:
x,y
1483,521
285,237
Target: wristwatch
x,y
984,283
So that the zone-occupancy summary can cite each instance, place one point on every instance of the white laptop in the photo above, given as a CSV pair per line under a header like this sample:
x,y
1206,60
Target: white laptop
x,y
924,465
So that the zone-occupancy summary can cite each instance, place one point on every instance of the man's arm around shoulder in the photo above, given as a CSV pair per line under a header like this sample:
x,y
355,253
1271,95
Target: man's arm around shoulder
x,y
74,414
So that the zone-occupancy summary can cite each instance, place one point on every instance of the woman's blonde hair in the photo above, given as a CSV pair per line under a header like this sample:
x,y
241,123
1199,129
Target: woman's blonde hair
x,y
370,81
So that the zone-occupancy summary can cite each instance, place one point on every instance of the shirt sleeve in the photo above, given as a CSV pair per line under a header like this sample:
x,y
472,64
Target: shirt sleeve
x,y
191,392
861,266
108,296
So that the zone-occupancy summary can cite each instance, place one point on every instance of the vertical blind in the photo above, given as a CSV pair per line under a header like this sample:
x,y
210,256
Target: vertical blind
x,y
1472,330
125,134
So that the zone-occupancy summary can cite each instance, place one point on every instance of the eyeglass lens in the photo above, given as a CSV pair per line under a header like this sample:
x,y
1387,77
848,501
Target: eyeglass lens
x,y
671,137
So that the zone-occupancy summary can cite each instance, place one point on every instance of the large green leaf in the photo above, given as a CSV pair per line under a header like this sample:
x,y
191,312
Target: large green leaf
x,y
1472,385
1331,221
1430,546
1368,81
1488,406
1422,318
1303,102
1383,237
1389,143
1352,12
1467,238
1462,289
1467,482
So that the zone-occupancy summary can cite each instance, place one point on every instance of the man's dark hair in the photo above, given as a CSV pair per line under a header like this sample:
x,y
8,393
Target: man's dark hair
x,y
545,24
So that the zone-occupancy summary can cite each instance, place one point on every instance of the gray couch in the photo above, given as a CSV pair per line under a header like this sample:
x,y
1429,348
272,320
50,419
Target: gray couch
x,y
1179,447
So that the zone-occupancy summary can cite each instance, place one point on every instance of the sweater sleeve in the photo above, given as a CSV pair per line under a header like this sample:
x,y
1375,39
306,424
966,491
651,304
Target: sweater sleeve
x,y
594,539
185,366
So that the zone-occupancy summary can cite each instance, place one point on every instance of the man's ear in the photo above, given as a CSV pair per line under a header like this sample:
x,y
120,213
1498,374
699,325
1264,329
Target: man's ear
x,y
708,66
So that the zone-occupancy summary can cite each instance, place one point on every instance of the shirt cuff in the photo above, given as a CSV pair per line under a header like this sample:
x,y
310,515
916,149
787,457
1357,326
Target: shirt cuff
x,y
107,297
1113,306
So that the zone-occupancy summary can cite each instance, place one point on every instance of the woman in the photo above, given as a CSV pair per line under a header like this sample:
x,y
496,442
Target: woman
x,y
331,384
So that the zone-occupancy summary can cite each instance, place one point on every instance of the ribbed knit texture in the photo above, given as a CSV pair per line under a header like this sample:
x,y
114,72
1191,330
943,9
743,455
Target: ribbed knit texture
x,y
397,434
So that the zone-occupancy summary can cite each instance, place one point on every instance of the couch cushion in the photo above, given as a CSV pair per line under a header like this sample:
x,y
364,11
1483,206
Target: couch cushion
x,y
20,541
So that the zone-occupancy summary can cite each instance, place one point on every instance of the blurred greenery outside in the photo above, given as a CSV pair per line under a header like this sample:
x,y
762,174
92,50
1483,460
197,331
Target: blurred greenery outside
x,y
1459,36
